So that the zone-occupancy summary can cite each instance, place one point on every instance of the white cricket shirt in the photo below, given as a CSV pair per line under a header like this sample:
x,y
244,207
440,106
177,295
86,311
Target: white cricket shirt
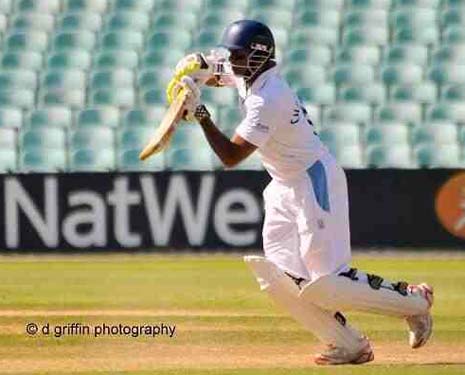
x,y
277,123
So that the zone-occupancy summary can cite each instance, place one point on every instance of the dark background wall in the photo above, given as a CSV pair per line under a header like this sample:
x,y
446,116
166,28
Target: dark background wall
x,y
202,210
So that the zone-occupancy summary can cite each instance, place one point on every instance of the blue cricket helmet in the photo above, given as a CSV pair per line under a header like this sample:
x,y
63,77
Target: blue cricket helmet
x,y
249,35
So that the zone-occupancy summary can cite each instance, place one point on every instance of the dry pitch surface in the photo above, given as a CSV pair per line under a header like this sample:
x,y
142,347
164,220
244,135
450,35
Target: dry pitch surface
x,y
224,325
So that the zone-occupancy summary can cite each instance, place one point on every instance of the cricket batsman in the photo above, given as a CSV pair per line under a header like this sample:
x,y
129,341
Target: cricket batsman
x,y
306,234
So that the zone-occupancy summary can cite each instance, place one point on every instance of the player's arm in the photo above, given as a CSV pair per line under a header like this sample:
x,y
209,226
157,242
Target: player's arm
x,y
230,151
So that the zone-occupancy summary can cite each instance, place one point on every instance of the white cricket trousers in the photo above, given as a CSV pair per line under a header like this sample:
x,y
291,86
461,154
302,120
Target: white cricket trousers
x,y
306,230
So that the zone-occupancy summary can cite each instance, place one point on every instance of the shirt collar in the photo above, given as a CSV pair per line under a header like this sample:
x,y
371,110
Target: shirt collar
x,y
262,78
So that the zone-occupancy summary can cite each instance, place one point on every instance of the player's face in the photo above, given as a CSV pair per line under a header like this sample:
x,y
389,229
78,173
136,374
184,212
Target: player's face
x,y
239,63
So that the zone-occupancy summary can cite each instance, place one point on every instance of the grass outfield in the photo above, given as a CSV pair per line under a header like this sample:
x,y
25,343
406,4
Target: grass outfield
x,y
224,325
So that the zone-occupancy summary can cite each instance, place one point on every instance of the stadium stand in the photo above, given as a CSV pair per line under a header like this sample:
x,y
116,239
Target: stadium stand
x,y
82,81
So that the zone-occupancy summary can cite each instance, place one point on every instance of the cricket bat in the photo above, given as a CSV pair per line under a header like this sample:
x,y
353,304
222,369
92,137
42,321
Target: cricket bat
x,y
167,127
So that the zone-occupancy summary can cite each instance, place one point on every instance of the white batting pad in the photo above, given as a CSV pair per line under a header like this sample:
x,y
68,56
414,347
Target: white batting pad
x,y
328,327
355,290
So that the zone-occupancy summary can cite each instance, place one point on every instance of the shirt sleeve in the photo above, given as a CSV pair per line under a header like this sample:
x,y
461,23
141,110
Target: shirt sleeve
x,y
256,127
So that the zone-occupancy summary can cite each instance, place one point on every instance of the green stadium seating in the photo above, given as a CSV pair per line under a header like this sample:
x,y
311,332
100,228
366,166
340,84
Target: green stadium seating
x,y
19,41
416,3
343,74
98,6
186,159
18,78
74,98
406,53
5,6
58,116
229,118
70,40
122,97
63,79
108,79
305,76
449,54
443,134
22,98
116,59
352,112
423,92
88,160
394,134
32,21
365,35
368,55
225,4
21,60
453,35
423,35
178,38
135,21
323,94
340,135
319,4
452,17
368,4
412,17
8,161
220,96
74,59
447,111
45,6
38,160
149,78
373,93
447,73
169,58
135,5
174,20
401,74
43,138
304,37
102,116
92,138
10,117
122,40
8,139
134,138
318,17
276,18
454,93
375,17
446,156
349,156
317,55
180,5
391,156
90,21
153,97
410,112
128,161
149,117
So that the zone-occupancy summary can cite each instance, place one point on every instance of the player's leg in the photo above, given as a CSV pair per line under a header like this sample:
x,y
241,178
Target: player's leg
x,y
280,274
345,344
338,287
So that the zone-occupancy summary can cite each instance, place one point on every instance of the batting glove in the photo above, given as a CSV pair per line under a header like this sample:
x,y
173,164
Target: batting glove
x,y
193,97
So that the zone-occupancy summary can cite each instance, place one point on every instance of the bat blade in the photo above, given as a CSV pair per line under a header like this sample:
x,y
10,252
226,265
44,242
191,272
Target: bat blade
x,y
167,127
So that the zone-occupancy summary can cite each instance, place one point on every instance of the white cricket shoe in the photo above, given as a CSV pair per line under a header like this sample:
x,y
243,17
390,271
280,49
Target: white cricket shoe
x,y
340,356
421,326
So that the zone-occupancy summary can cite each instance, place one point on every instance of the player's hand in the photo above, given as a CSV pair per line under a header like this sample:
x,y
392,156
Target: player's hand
x,y
193,100
196,66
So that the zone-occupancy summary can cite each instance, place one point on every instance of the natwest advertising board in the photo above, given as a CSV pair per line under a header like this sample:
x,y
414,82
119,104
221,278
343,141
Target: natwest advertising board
x,y
206,210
